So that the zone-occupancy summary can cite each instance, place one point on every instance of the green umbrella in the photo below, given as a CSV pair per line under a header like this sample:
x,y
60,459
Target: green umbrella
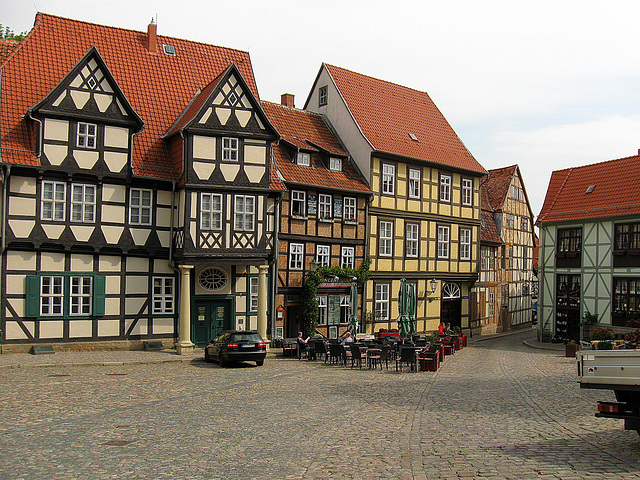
x,y
403,305
353,321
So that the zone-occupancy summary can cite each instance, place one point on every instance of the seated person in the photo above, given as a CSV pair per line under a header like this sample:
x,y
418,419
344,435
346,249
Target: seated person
x,y
305,347
347,338
441,328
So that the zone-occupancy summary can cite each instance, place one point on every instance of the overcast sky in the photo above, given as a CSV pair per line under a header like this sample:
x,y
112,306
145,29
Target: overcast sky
x,y
546,84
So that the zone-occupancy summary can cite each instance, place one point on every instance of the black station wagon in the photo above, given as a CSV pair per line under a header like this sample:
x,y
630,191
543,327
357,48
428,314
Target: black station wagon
x,y
236,346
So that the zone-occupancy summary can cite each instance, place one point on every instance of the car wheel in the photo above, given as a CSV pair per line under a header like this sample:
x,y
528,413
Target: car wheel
x,y
259,363
223,361
207,358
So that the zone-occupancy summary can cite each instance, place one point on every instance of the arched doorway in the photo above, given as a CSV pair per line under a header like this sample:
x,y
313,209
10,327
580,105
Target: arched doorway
x,y
451,307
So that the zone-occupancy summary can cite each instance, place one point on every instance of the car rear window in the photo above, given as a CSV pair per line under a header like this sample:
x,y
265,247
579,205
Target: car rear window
x,y
246,337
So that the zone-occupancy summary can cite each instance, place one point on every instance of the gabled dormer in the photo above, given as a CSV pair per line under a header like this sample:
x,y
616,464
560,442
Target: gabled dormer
x,y
86,122
226,134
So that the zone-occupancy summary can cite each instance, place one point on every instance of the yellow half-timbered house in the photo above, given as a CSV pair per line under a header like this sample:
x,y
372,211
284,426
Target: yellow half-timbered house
x,y
424,219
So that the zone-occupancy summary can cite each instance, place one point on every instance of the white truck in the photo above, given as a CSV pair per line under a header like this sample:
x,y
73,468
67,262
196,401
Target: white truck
x,y
617,370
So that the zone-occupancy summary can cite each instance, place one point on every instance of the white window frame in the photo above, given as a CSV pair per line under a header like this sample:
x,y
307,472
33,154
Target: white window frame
x,y
467,192
350,209
296,256
210,213
303,159
445,188
244,210
465,244
140,213
414,183
83,206
444,236
53,203
382,301
491,302
335,164
323,96
388,179
385,238
253,293
322,309
86,135
80,295
347,257
412,240
323,255
52,295
345,308
324,206
299,197
230,149
163,300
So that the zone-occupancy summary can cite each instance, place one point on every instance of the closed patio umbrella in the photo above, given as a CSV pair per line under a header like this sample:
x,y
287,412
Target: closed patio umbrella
x,y
353,321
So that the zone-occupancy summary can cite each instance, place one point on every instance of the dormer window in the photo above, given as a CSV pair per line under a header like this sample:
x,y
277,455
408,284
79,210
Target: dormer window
x,y
335,164
304,159
230,149
86,137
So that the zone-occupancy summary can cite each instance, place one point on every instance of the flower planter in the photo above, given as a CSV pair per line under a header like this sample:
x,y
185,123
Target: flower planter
x,y
570,350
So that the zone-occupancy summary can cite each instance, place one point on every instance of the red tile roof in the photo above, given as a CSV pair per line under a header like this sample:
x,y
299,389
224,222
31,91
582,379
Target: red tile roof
x,y
6,48
159,87
497,186
489,229
308,131
615,193
387,113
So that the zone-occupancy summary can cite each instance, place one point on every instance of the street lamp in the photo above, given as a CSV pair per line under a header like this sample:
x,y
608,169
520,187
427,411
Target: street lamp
x,y
433,285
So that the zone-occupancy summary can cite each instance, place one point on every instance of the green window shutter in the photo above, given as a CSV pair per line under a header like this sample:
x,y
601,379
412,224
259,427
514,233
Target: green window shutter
x,y
32,307
98,295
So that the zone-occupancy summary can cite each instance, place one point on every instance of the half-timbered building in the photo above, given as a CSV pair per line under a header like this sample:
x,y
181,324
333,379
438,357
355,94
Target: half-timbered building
x,y
590,248
136,174
502,297
424,219
322,220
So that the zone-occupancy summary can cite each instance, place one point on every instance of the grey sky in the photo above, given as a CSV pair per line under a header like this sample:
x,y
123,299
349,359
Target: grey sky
x,y
546,84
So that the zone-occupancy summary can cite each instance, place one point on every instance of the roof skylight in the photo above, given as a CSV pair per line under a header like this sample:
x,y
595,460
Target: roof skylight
x,y
413,137
590,188
169,50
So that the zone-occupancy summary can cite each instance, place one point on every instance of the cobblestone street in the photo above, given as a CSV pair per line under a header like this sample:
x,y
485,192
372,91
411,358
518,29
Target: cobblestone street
x,y
496,409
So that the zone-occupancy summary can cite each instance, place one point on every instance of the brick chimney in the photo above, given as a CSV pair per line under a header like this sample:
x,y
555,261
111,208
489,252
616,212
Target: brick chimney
x,y
152,38
287,99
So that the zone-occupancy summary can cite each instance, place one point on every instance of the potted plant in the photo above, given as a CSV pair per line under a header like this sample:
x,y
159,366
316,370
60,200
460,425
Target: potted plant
x,y
570,348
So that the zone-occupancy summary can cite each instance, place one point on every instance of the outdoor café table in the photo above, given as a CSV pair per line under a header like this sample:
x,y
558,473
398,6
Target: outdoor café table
x,y
373,355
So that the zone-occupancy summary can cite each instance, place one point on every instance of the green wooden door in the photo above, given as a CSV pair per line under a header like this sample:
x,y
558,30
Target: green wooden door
x,y
210,318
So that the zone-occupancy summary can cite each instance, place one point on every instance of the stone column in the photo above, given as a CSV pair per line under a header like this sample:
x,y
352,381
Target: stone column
x,y
184,346
262,300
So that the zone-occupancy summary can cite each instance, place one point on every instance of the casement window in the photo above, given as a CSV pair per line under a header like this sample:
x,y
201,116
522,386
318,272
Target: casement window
x,y
626,300
244,213
524,224
385,239
508,220
382,301
467,192
322,309
64,295
253,294
140,204
211,211
567,300
86,135
303,159
322,96
388,179
465,244
53,200
414,183
345,308
349,210
569,247
412,237
323,255
296,256
445,188
626,245
335,164
229,149
491,302
488,258
163,295
347,257
83,203
324,206
298,203
443,241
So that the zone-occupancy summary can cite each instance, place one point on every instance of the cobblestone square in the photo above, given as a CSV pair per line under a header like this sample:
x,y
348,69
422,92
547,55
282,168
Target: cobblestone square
x,y
497,409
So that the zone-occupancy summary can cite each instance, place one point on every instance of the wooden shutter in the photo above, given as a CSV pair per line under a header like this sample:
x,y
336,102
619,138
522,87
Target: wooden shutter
x,y
98,295
32,287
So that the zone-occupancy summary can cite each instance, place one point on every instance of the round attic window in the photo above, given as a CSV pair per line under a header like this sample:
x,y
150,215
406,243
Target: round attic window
x,y
213,278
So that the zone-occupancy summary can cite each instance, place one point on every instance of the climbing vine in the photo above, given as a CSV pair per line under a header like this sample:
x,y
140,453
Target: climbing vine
x,y
310,290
